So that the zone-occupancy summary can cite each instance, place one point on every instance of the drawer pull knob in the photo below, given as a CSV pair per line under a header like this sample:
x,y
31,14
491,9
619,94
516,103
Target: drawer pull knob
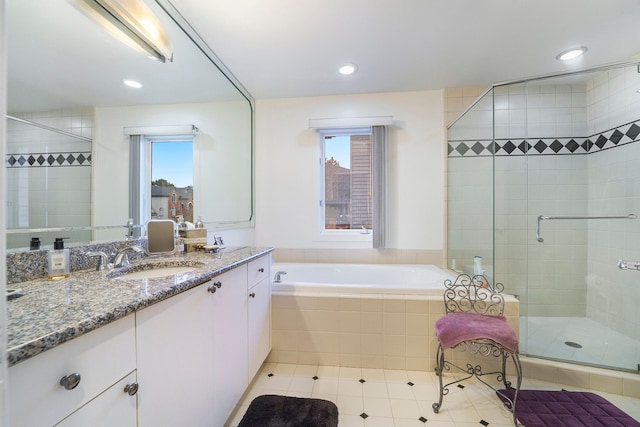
x,y
71,381
213,288
252,294
131,389
261,270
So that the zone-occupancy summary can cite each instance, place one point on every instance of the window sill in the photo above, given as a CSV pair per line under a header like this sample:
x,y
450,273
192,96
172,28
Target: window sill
x,y
344,236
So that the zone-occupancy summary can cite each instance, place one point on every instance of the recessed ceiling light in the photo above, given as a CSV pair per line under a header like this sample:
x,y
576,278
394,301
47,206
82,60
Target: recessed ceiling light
x,y
571,53
347,69
132,83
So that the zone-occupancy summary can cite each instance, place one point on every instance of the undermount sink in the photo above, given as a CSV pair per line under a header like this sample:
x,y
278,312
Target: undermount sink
x,y
155,270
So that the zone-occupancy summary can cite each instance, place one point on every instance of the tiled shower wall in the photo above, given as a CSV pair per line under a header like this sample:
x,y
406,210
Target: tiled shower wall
x,y
614,189
573,272
49,175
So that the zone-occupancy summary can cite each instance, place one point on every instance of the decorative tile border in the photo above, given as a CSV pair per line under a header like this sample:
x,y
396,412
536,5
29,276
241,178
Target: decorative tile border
x,y
47,160
612,138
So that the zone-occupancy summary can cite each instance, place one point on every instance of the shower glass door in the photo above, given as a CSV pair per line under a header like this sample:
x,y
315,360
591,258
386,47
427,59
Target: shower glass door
x,y
570,199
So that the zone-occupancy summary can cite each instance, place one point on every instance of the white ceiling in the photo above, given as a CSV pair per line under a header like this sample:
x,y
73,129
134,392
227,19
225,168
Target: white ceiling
x,y
58,58
292,48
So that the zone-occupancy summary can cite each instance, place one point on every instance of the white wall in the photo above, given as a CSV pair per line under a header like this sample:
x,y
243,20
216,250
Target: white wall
x,y
287,169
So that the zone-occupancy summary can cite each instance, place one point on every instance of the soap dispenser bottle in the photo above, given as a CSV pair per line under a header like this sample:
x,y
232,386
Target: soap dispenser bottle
x,y
58,259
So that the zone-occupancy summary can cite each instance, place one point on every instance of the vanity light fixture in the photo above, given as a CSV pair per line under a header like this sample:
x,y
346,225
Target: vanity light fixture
x,y
348,69
132,83
570,54
133,23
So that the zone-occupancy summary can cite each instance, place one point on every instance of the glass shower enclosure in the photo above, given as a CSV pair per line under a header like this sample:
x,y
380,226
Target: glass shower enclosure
x,y
543,180
48,178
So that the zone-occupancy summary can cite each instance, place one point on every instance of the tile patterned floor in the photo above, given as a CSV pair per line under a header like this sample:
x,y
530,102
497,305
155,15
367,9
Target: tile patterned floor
x,y
391,398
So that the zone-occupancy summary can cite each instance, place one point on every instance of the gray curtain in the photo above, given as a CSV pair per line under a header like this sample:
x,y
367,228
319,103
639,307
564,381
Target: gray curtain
x,y
134,182
379,143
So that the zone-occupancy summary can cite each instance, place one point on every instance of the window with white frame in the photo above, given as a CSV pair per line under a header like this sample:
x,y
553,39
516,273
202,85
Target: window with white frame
x,y
347,175
161,177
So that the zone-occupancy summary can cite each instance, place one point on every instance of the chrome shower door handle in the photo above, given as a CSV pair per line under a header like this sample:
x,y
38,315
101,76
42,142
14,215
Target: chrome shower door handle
x,y
624,264
538,237
545,217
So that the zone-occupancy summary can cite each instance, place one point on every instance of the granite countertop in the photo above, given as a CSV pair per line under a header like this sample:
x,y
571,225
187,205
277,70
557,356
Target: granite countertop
x,y
52,312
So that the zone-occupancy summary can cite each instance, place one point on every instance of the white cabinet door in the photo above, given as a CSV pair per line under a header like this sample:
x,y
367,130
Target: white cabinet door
x,y
114,407
259,325
175,356
230,359
192,354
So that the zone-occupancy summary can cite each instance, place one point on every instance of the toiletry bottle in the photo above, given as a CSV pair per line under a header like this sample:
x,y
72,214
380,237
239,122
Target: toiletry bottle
x,y
35,244
199,223
58,259
176,243
477,265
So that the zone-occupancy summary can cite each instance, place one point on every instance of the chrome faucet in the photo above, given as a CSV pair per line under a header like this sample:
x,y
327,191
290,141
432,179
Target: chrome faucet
x,y
277,278
129,226
103,260
121,259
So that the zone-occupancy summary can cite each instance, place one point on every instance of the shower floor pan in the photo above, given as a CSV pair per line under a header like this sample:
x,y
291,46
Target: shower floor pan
x,y
579,340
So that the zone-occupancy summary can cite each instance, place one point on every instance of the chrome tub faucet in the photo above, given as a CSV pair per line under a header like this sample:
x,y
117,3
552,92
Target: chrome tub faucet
x,y
278,276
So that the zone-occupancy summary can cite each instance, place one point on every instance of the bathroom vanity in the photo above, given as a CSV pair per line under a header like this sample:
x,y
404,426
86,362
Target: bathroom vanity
x,y
100,350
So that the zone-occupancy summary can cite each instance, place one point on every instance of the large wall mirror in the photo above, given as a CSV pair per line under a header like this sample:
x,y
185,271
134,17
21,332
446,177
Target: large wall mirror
x,y
70,118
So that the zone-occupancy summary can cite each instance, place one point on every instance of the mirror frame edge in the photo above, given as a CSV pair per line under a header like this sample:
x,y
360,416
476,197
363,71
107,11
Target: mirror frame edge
x,y
190,32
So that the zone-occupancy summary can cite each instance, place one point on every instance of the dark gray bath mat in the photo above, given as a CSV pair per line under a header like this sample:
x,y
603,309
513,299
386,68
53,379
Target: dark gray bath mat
x,y
281,411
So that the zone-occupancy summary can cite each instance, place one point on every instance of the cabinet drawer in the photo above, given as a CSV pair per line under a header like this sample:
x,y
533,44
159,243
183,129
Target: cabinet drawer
x,y
258,270
101,357
114,407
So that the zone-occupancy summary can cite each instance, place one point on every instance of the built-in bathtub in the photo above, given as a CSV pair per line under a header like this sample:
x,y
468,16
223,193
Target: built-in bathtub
x,y
398,279
360,315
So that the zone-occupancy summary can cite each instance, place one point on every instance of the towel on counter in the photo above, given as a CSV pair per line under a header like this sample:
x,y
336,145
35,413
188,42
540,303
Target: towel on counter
x,y
454,328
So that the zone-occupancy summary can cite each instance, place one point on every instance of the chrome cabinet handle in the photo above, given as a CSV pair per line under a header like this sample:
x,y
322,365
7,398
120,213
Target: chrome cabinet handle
x,y
252,294
131,389
71,381
261,270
